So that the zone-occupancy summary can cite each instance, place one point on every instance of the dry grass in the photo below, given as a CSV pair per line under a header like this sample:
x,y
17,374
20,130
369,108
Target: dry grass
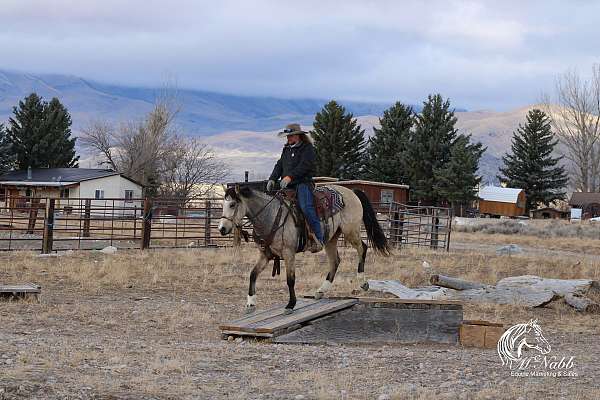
x,y
143,325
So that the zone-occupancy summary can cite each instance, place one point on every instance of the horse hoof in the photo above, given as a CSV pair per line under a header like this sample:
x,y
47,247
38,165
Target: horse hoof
x,y
365,286
250,309
318,295
288,311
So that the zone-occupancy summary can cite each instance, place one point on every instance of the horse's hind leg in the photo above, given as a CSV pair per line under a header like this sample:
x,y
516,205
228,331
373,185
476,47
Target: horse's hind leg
x,y
361,248
334,261
290,272
260,265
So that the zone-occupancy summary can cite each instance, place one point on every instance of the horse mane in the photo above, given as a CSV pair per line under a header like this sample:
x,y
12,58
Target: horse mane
x,y
244,191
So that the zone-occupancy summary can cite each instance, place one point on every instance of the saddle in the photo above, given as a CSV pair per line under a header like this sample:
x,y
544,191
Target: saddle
x,y
327,201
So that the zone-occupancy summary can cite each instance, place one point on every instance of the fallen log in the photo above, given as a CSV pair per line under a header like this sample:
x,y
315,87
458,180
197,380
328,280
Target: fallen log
x,y
454,283
526,290
402,292
582,303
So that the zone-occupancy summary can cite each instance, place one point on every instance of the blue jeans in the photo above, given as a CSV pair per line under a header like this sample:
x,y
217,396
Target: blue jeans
x,y
307,205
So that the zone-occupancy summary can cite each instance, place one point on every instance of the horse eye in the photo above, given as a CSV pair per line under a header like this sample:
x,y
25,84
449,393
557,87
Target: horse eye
x,y
232,205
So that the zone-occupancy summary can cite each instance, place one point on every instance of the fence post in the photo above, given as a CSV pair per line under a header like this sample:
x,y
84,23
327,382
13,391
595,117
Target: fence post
x,y
147,224
48,227
395,228
434,229
33,213
86,217
207,223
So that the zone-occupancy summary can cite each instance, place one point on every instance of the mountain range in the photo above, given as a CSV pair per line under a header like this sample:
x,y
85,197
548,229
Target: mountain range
x,y
241,129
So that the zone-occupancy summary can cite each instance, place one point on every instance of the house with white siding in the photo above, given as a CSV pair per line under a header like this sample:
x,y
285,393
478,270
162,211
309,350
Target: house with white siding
x,y
68,186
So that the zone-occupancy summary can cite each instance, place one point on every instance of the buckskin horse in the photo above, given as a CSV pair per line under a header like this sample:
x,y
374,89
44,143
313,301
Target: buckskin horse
x,y
276,231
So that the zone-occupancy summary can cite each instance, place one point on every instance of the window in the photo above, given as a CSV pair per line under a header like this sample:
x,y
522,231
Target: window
x,y
129,196
99,194
3,194
64,193
387,196
28,193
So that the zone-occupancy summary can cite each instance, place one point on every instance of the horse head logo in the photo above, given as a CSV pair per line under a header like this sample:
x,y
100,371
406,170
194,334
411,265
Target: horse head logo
x,y
512,343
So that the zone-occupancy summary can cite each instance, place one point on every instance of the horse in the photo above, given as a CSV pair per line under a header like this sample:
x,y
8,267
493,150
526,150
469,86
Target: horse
x,y
529,335
273,220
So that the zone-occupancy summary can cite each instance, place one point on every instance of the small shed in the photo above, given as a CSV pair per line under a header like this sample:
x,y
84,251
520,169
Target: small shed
x,y
379,193
549,213
500,201
589,202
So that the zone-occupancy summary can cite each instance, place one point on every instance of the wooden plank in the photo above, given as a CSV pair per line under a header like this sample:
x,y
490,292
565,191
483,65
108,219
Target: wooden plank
x,y
492,336
363,324
241,333
480,322
301,316
389,300
243,324
22,288
472,335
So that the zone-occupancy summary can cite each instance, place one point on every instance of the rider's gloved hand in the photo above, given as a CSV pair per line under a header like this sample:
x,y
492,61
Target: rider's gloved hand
x,y
285,181
270,185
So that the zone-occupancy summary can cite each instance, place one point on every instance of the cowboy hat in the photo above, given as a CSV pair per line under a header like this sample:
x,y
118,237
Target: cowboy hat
x,y
292,129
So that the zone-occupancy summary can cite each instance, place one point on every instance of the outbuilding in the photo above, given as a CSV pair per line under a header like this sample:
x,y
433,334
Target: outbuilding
x,y
549,213
588,202
501,201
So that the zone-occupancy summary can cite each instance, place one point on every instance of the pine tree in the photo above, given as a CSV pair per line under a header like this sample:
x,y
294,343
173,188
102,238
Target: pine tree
x,y
386,150
6,154
530,165
457,181
339,143
40,134
429,148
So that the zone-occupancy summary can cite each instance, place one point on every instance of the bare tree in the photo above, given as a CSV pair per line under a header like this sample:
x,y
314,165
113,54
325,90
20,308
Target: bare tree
x,y
576,122
151,152
191,169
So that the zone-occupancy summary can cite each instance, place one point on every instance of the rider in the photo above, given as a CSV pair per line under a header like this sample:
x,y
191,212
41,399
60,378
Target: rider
x,y
296,167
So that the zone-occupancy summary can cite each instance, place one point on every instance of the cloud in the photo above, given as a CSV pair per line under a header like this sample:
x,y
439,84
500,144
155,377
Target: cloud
x,y
482,54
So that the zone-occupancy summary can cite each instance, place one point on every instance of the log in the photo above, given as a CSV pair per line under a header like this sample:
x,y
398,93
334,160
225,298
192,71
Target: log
x,y
559,286
454,283
403,292
582,303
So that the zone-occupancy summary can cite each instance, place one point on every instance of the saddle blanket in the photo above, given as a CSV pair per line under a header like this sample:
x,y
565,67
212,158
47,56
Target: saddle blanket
x,y
328,201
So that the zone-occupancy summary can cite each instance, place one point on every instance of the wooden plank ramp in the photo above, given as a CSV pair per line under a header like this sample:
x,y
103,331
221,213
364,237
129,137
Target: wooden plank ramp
x,y
274,321
19,290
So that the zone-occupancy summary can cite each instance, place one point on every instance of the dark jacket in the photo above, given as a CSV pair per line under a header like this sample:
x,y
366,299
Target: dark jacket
x,y
299,162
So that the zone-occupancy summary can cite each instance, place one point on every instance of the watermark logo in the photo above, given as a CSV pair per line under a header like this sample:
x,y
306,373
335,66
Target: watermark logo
x,y
522,338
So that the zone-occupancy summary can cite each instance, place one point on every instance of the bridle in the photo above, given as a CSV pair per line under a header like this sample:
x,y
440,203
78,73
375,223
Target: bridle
x,y
252,218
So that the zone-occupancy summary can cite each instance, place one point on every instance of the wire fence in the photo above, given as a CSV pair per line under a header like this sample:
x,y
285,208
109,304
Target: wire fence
x,y
52,224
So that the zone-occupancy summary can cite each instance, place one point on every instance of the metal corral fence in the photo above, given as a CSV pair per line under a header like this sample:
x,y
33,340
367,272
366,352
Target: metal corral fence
x,y
50,224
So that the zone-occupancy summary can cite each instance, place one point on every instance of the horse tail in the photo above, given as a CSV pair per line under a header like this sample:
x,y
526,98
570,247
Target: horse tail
x,y
375,235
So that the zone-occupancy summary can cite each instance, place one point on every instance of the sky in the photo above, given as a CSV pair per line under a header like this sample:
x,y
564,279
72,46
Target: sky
x,y
482,55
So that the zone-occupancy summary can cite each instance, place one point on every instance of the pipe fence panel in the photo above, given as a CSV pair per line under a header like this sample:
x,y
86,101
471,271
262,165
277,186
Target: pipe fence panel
x,y
53,224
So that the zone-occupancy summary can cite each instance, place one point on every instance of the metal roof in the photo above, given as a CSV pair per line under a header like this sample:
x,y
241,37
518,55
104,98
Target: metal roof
x,y
584,198
54,176
499,194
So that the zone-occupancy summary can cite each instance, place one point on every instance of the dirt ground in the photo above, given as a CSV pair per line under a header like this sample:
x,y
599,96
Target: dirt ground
x,y
142,325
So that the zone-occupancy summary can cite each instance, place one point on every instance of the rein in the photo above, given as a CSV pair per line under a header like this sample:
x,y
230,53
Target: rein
x,y
264,241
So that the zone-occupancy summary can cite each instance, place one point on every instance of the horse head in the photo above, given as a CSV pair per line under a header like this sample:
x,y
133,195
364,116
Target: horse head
x,y
534,339
234,208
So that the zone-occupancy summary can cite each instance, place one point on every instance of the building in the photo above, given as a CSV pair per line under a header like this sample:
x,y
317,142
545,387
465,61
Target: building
x,y
499,201
68,185
588,202
379,193
549,213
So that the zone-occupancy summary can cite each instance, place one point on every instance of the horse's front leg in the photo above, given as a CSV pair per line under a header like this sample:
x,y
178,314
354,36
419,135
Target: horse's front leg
x,y
290,271
260,265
